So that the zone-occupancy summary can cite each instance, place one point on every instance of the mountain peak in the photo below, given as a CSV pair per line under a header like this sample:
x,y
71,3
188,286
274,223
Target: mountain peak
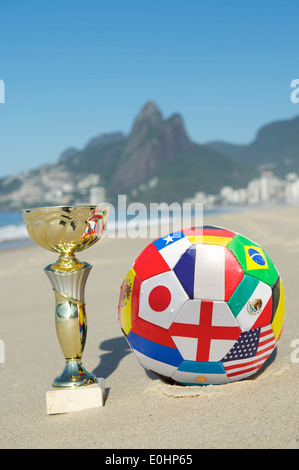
x,y
152,144
150,111
149,117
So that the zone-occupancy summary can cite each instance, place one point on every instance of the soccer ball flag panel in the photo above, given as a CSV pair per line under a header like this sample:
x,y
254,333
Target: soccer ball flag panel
x,y
202,306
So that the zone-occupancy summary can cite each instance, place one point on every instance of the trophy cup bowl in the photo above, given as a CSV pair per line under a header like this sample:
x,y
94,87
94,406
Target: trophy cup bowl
x,y
67,230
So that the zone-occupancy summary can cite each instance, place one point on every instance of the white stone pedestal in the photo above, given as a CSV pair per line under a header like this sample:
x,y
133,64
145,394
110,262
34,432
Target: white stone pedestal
x,y
77,399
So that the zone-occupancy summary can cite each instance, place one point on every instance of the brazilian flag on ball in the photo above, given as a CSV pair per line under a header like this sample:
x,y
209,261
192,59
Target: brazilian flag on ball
x,y
253,259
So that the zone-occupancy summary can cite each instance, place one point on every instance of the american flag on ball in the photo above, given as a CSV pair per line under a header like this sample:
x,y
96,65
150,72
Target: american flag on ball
x,y
249,353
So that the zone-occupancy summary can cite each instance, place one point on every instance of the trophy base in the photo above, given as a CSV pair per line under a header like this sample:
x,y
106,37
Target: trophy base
x,y
74,376
75,399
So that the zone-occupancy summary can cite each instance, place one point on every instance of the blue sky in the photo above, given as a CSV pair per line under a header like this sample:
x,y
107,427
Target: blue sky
x,y
73,69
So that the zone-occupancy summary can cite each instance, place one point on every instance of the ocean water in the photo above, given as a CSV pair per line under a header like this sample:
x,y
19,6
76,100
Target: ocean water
x,y
13,232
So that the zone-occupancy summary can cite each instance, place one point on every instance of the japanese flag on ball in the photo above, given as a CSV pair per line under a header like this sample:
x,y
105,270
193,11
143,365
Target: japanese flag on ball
x,y
202,306
161,299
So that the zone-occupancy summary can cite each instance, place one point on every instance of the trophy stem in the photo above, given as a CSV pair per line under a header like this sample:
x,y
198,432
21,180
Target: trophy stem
x,y
71,322
67,263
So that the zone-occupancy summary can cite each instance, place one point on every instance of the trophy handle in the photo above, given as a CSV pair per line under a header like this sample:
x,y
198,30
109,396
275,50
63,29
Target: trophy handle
x,y
71,324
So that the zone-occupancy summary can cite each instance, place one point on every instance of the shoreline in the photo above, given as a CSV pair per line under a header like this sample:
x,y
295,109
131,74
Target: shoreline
x,y
23,242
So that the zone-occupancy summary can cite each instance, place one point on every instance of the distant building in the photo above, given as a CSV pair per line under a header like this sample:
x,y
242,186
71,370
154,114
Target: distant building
x,y
253,192
268,187
292,188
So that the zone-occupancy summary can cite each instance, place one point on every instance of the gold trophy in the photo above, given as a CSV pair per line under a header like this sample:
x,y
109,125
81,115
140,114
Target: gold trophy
x,y
67,230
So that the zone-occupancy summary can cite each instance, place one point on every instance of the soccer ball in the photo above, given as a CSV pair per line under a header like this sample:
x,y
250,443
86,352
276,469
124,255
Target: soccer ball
x,y
202,306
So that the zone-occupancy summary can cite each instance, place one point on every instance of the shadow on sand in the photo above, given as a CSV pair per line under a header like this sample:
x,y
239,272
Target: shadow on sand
x,y
115,349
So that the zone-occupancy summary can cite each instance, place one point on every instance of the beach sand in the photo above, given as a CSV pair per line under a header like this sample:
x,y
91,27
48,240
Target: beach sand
x,y
141,411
